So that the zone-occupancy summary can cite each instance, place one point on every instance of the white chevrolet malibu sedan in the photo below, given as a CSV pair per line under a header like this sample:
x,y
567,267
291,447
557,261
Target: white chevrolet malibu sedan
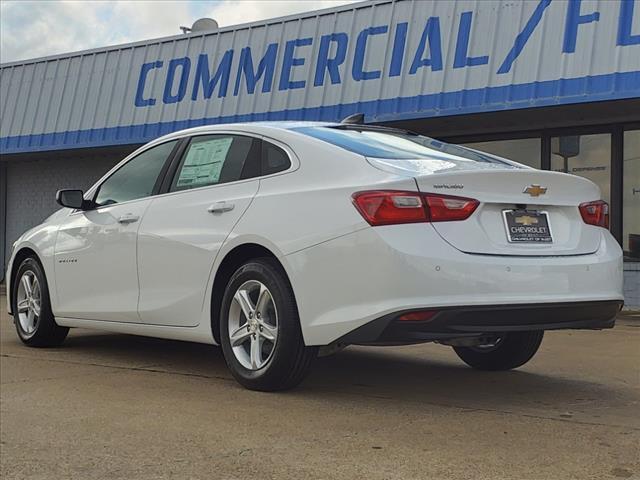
x,y
280,241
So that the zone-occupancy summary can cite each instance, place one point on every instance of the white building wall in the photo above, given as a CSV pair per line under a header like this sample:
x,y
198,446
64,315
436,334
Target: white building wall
x,y
390,59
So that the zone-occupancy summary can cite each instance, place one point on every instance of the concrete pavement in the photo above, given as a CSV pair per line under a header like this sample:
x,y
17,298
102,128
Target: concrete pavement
x,y
124,407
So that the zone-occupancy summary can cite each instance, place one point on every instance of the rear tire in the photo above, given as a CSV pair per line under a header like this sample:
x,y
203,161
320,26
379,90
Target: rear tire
x,y
32,314
280,360
513,350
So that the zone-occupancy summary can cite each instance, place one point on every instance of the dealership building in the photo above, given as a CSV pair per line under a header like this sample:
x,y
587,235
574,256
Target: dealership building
x,y
551,84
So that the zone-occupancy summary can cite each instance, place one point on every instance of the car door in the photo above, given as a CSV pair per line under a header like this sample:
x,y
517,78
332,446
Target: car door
x,y
182,231
95,250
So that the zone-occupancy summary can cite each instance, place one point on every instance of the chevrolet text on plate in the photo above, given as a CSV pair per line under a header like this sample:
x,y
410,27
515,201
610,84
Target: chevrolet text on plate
x,y
282,241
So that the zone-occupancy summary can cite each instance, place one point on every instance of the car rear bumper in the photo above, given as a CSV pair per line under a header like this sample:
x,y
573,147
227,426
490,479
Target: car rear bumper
x,y
348,282
471,321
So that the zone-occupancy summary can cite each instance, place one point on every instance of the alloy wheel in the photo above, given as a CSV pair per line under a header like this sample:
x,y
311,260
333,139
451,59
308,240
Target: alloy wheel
x,y
28,302
253,325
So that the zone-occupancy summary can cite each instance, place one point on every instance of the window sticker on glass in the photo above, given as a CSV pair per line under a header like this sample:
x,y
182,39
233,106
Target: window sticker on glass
x,y
204,162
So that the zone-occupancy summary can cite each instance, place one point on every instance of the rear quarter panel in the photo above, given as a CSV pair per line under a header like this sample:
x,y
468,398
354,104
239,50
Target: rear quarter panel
x,y
313,204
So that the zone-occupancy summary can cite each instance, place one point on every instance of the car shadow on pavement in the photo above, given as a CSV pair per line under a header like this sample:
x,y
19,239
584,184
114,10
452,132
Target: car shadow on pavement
x,y
444,380
409,374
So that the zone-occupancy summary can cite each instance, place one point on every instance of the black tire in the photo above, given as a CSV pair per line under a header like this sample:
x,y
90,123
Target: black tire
x,y
290,359
47,332
512,351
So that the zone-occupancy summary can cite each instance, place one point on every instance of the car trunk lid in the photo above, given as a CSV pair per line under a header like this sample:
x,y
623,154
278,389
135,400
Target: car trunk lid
x,y
504,188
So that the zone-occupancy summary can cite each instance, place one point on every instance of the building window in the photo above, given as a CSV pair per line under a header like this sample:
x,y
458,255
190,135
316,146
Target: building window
x,y
587,156
631,196
524,150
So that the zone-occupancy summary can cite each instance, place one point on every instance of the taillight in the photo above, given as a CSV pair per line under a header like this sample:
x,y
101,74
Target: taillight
x,y
392,207
595,213
445,208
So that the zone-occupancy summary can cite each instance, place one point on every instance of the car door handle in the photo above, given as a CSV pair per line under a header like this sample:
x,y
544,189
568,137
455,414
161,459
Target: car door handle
x,y
128,218
220,207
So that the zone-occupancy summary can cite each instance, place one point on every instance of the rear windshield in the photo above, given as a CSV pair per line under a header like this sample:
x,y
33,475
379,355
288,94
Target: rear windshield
x,y
392,144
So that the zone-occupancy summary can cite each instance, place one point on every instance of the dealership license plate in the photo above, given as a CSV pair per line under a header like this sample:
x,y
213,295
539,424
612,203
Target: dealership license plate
x,y
526,226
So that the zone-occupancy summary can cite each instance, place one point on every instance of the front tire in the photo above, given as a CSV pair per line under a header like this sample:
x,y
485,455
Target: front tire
x,y
260,329
510,350
35,324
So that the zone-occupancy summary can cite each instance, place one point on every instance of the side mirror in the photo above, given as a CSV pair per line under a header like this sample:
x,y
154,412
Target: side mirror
x,y
71,198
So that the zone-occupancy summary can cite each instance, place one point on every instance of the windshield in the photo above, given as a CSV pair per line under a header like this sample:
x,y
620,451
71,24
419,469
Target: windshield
x,y
394,145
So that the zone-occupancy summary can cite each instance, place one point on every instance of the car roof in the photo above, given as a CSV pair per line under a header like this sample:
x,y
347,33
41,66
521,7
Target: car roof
x,y
256,127
264,128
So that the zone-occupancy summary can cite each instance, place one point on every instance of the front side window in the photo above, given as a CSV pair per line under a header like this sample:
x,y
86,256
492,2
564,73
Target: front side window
x,y
214,159
136,178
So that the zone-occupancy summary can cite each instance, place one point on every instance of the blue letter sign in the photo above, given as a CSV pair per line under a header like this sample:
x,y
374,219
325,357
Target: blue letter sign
x,y
140,101
203,76
266,67
358,71
523,36
462,45
330,64
431,34
290,61
624,25
185,65
574,20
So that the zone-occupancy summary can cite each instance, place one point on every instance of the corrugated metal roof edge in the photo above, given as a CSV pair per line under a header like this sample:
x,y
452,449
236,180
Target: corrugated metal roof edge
x,y
576,90
230,28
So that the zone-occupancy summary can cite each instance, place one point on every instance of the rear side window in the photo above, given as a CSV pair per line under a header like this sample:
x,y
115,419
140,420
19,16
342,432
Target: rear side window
x,y
274,159
215,159
392,144
136,178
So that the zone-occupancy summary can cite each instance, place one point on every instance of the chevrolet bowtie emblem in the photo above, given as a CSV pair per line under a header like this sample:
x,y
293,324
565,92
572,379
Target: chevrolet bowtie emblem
x,y
527,220
535,190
